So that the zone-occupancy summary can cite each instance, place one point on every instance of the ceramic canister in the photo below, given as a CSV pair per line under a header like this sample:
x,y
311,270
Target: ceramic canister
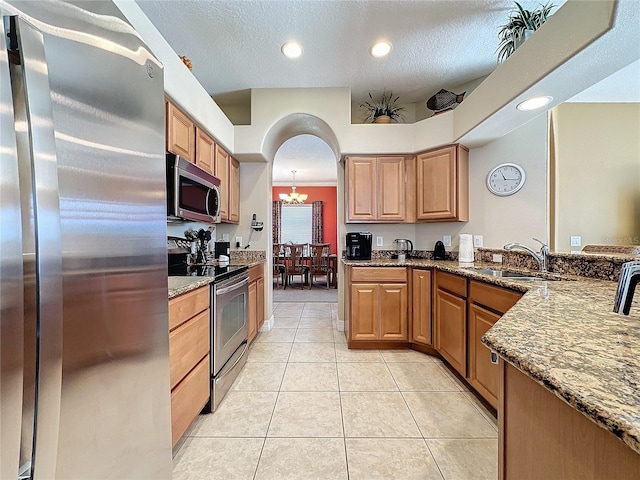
x,y
465,252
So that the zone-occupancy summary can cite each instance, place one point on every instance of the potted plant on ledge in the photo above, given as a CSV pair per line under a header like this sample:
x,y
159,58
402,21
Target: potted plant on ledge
x,y
522,23
385,110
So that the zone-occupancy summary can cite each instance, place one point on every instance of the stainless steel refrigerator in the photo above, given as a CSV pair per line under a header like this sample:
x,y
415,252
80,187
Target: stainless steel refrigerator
x,y
84,386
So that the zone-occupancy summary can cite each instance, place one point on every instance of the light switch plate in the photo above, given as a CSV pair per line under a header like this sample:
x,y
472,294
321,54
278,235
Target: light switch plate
x,y
576,240
446,240
225,237
477,241
379,241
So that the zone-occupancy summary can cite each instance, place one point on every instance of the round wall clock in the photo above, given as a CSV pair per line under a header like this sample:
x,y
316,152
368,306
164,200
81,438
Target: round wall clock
x,y
505,179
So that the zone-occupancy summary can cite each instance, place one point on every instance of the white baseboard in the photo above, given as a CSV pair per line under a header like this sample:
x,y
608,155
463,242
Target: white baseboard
x,y
268,324
340,325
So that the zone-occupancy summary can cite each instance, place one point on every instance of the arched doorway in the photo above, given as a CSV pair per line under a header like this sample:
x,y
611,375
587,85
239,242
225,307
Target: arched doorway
x,y
287,128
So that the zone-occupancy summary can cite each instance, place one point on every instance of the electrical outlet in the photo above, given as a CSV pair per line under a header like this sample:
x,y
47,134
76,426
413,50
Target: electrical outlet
x,y
238,242
576,241
379,242
497,258
477,240
225,237
446,240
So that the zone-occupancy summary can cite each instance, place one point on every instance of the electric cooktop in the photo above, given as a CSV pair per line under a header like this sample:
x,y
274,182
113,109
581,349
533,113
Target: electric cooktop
x,y
216,271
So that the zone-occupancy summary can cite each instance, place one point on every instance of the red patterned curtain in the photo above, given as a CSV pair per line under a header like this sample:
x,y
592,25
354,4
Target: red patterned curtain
x,y
277,220
317,233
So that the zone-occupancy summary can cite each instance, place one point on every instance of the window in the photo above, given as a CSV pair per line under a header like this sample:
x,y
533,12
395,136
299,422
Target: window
x,y
296,224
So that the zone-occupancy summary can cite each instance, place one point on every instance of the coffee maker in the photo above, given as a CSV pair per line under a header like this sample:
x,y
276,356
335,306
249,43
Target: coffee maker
x,y
359,245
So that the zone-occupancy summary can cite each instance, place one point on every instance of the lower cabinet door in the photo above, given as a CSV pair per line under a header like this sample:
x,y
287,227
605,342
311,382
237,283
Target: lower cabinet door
x,y
451,331
364,311
421,321
483,374
393,311
253,310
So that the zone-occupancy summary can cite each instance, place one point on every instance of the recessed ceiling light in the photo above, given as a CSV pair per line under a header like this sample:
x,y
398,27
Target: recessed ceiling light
x,y
380,49
534,103
291,49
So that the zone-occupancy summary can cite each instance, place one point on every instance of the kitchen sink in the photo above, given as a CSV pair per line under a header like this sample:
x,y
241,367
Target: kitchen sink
x,y
510,274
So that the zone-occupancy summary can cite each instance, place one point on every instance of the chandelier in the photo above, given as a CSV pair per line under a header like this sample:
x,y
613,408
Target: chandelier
x,y
293,197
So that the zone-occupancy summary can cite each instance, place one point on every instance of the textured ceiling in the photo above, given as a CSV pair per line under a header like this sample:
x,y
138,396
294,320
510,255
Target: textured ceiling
x,y
311,158
235,44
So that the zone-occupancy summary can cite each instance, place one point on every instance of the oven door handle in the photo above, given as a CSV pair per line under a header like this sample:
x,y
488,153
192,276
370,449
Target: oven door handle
x,y
224,374
235,286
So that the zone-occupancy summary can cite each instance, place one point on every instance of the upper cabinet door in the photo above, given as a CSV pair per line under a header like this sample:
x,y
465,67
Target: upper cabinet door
x,y
234,191
222,172
205,150
180,133
361,189
391,189
443,184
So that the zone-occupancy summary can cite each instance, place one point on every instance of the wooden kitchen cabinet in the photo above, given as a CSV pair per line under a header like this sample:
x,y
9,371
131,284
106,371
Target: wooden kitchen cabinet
x,y
205,150
442,189
378,304
487,303
541,436
221,171
451,319
234,191
180,134
376,189
421,307
256,300
189,348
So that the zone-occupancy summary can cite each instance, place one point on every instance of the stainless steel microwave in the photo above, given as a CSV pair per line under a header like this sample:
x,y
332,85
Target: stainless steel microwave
x,y
192,193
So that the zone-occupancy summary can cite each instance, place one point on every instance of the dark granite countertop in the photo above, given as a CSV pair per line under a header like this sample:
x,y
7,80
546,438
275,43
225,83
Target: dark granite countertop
x,y
564,335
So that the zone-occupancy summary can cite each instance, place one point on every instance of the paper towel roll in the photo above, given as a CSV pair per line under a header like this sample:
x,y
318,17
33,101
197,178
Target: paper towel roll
x,y
465,253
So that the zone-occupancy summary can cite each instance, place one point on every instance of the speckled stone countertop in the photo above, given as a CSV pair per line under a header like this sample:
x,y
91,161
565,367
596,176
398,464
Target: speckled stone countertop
x,y
564,335
180,285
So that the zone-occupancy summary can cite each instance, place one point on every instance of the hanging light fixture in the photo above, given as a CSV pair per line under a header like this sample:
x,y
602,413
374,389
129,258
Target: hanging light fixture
x,y
293,197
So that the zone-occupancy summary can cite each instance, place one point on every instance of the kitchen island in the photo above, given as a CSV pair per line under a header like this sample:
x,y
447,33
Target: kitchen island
x,y
563,337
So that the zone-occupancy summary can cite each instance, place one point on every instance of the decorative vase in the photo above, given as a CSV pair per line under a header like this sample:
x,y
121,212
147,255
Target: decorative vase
x,y
382,119
526,34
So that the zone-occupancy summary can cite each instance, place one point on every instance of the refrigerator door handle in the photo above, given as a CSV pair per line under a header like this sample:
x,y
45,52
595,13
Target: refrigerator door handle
x,y
48,247
11,281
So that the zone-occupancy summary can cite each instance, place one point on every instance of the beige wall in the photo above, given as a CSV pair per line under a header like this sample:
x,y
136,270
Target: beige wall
x,y
597,170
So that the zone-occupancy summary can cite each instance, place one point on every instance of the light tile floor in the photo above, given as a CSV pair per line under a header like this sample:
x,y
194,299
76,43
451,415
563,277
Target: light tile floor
x,y
306,407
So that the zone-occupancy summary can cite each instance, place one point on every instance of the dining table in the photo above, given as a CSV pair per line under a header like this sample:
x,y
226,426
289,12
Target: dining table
x,y
333,264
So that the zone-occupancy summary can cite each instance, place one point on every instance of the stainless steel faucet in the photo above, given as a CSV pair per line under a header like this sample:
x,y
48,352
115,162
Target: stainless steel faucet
x,y
540,257
629,277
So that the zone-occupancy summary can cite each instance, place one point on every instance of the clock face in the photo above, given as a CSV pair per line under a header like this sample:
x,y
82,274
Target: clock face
x,y
505,179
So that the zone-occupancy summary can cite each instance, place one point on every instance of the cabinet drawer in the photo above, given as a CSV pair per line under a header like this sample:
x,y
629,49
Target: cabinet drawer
x,y
188,399
256,272
188,344
185,306
452,283
496,298
378,274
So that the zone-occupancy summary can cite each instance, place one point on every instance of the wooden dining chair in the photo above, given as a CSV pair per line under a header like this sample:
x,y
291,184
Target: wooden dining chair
x,y
320,262
278,263
294,264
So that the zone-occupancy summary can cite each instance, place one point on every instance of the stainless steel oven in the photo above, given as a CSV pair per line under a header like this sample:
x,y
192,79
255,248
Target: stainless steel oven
x,y
229,332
